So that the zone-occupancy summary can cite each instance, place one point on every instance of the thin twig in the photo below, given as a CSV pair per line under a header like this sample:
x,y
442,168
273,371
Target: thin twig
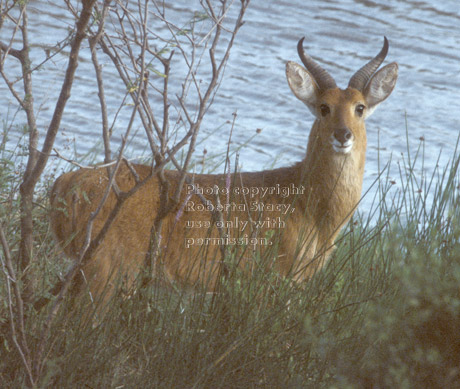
x,y
94,167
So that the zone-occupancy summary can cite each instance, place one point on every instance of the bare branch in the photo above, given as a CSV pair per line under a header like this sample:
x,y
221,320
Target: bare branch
x,y
7,49
217,68
93,41
64,95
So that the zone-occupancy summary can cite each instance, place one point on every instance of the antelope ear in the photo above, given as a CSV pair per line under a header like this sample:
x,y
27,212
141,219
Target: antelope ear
x,y
302,85
380,86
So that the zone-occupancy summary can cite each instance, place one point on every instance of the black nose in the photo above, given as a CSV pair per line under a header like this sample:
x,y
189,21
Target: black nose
x,y
343,135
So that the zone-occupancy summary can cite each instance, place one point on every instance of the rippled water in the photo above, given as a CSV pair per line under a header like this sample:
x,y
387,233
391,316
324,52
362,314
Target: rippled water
x,y
424,39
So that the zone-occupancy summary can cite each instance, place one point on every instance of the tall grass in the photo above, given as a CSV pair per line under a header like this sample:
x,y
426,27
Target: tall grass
x,y
383,313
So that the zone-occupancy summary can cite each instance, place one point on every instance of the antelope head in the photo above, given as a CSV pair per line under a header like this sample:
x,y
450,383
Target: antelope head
x,y
340,113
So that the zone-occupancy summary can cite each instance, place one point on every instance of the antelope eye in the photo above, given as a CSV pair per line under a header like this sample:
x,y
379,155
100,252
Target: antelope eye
x,y
360,109
324,109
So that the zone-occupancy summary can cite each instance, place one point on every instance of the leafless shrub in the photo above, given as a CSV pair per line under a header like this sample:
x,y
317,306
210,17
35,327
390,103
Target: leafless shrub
x,y
145,47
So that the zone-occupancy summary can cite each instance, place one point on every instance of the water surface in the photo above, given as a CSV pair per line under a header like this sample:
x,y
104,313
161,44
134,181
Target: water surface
x,y
342,35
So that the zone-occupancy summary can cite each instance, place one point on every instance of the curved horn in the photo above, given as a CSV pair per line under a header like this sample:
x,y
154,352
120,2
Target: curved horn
x,y
321,76
363,75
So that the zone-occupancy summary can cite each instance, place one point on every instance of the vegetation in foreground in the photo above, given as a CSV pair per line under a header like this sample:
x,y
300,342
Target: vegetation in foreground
x,y
384,312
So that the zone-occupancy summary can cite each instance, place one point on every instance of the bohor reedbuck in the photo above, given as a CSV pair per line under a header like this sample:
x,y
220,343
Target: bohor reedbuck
x,y
289,217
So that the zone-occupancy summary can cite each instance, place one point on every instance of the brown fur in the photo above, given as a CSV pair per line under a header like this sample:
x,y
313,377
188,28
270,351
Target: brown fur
x,y
332,188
